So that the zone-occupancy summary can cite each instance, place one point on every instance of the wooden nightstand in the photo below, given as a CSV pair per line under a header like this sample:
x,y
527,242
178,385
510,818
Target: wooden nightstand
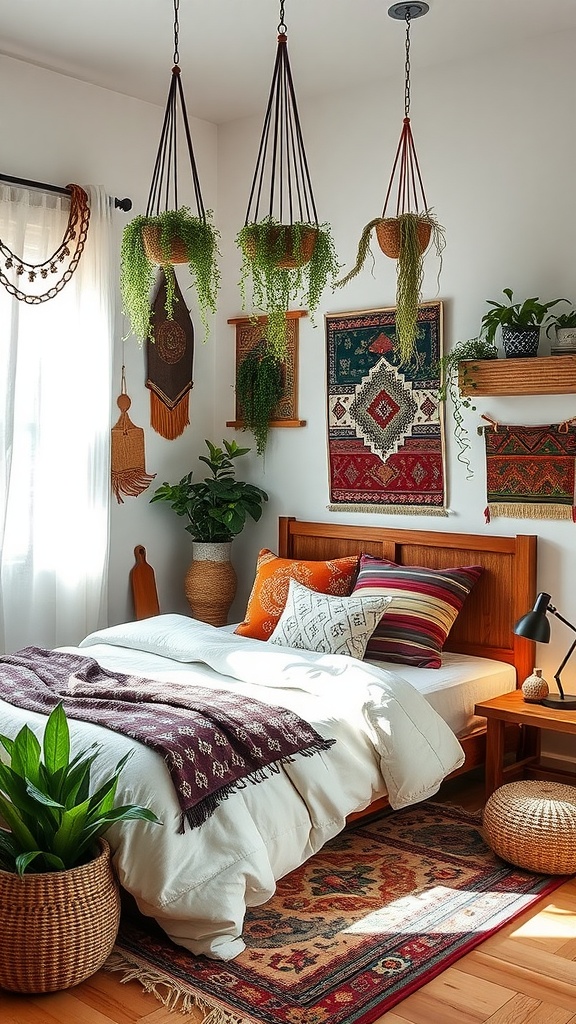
x,y
512,708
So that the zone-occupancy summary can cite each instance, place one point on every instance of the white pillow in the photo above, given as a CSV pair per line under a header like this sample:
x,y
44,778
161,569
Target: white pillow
x,y
326,623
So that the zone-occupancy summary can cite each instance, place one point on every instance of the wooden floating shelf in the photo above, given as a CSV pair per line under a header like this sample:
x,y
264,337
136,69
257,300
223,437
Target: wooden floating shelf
x,y
540,375
239,425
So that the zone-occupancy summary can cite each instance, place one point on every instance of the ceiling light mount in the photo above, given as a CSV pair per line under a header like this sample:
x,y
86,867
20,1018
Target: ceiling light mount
x,y
408,10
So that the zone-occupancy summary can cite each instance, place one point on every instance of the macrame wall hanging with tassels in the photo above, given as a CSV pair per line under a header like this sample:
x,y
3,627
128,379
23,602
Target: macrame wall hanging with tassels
x,y
170,357
62,262
128,458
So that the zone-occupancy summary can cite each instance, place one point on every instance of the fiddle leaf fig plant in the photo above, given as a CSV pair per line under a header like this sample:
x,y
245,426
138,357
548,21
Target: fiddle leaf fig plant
x,y
52,821
218,506
173,236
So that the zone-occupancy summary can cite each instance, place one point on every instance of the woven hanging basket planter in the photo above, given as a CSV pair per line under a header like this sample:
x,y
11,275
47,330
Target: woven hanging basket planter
x,y
151,235
388,233
58,928
284,246
210,582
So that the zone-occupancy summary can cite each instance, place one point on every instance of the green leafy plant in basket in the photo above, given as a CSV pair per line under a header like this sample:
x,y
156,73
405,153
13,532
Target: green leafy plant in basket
x,y
286,263
464,354
406,239
52,820
169,238
218,506
259,388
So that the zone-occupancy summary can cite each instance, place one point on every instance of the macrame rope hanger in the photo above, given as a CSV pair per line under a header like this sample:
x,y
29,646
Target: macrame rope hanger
x,y
164,186
410,195
281,165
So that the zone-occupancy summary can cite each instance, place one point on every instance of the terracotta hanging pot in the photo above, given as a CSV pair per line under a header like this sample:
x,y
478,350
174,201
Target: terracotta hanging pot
x,y
151,234
388,233
283,245
210,582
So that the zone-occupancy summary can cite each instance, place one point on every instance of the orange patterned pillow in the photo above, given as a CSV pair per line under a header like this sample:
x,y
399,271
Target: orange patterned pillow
x,y
270,587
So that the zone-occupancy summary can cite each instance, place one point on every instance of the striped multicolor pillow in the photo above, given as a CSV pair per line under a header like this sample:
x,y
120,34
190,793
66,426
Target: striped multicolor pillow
x,y
426,602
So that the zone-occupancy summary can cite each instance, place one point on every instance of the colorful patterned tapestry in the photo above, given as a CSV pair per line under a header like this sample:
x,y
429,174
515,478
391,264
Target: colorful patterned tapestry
x,y
385,425
530,471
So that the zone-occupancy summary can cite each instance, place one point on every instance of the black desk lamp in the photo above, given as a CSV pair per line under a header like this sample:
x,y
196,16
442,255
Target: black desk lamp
x,y
535,626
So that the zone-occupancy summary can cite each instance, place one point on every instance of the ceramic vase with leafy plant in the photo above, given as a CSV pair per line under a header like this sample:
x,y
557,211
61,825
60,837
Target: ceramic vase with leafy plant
x,y
162,241
286,263
520,323
404,238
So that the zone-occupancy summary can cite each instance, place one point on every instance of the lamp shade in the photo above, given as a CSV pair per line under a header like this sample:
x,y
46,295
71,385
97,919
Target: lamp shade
x,y
535,625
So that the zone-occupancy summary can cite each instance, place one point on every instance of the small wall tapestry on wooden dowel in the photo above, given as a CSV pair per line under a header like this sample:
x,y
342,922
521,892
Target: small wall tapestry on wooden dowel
x,y
170,356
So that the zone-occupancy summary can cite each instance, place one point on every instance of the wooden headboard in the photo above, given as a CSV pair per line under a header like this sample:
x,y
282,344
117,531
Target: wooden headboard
x,y
504,592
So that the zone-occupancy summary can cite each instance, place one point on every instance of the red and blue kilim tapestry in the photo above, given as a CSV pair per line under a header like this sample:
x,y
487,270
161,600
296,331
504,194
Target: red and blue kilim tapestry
x,y
531,471
385,425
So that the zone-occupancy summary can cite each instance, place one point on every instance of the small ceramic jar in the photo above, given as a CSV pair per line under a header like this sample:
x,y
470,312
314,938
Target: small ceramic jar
x,y
534,687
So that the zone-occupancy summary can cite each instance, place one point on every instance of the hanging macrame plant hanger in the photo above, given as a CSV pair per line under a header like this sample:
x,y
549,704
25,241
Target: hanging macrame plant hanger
x,y
128,460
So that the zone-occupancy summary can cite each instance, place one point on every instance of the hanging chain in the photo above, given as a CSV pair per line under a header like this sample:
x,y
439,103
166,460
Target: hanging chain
x,y
282,25
176,31
407,67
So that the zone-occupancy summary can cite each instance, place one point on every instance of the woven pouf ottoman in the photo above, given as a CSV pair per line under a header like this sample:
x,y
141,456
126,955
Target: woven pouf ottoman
x,y
533,824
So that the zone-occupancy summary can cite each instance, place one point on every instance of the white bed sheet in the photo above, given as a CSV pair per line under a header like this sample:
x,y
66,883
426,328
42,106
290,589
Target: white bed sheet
x,y
198,885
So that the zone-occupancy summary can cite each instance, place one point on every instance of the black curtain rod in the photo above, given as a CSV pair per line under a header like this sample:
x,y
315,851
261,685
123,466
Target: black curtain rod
x,y
119,204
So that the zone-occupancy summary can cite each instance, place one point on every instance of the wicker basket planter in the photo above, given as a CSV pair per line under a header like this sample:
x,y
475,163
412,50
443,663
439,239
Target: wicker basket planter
x,y
57,928
533,824
283,245
388,233
210,582
151,238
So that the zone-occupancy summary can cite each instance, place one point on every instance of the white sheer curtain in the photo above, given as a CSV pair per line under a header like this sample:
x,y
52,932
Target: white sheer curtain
x,y
55,408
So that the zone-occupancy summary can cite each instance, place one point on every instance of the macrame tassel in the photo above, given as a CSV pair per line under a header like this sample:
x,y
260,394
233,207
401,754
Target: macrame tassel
x,y
170,423
128,459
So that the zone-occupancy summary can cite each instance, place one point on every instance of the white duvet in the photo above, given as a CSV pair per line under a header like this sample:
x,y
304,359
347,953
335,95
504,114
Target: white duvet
x,y
198,885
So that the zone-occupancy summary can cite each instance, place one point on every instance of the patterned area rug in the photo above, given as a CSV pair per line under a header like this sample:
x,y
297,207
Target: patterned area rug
x,y
531,471
385,429
380,911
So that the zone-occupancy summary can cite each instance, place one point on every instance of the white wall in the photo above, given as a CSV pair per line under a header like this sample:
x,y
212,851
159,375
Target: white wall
x,y
496,142
57,130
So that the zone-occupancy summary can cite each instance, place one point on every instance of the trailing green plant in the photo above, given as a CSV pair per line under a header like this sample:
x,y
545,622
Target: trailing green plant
x,y
516,315
53,823
266,243
410,270
466,352
259,388
138,270
218,506
561,321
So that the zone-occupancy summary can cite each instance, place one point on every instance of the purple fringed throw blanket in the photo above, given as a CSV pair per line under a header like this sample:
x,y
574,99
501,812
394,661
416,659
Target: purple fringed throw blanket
x,y
212,741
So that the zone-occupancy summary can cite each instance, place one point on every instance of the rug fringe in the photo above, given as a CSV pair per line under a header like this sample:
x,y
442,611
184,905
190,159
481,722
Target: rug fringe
x,y
176,996
392,510
525,510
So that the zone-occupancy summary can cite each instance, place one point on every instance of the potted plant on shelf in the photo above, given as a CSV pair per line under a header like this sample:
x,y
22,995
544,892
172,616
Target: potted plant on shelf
x,y
59,899
464,354
404,238
259,388
217,509
564,327
520,323
171,237
287,263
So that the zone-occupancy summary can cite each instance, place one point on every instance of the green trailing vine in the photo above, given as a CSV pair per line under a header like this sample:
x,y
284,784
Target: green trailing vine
x,y
138,272
259,388
266,243
410,271
448,366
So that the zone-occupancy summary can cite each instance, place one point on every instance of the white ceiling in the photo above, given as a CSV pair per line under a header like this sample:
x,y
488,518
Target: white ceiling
x,y
227,47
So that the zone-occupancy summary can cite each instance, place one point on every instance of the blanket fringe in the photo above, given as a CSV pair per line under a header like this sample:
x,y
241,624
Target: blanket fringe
x,y
173,995
525,510
392,510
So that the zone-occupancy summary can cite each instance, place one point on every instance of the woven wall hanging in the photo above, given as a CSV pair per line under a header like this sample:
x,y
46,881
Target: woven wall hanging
x,y
128,458
170,357
62,263
530,471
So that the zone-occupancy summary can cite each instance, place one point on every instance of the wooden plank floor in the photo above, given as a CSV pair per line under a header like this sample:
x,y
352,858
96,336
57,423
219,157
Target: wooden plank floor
x,y
525,974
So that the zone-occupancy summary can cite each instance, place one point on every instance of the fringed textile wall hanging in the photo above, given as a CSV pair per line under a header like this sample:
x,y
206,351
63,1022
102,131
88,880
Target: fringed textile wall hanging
x,y
128,458
530,471
170,357
62,262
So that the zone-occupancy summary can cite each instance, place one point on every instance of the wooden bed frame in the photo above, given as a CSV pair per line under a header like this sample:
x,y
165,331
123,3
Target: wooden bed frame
x,y
504,592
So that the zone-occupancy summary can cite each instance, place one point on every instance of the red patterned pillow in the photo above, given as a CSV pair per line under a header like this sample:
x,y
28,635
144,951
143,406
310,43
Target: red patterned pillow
x,y
426,602
270,587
